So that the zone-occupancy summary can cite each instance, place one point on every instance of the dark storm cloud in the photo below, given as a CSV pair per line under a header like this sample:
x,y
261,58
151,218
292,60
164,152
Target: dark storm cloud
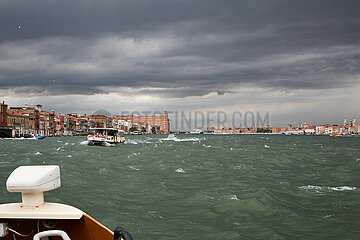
x,y
177,48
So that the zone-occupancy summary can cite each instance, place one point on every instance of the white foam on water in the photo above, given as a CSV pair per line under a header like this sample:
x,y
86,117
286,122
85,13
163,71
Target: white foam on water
x,y
319,188
181,139
69,156
188,140
180,170
310,187
22,138
66,143
267,146
207,146
133,168
137,141
169,138
38,153
109,144
58,148
342,188
234,197
131,142
84,143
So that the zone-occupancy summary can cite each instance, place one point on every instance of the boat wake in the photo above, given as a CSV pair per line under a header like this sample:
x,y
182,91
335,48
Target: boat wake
x,y
21,138
138,141
175,139
106,144
85,143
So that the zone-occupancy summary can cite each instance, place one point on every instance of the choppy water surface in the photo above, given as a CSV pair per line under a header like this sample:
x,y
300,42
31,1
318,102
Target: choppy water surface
x,y
205,187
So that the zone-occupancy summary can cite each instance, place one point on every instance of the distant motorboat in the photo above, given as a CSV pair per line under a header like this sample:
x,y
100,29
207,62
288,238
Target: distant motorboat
x,y
136,133
40,137
195,131
171,136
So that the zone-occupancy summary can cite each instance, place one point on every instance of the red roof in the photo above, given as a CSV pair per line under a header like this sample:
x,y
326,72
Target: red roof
x,y
16,112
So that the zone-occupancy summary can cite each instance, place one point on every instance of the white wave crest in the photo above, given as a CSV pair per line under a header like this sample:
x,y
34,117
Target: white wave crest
x,y
234,197
137,141
206,146
322,188
342,188
133,168
180,170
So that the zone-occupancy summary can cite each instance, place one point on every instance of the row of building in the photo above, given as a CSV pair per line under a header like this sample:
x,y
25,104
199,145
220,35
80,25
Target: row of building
x,y
32,120
348,128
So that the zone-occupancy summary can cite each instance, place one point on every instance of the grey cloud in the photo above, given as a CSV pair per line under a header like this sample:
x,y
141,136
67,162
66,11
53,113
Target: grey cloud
x,y
184,48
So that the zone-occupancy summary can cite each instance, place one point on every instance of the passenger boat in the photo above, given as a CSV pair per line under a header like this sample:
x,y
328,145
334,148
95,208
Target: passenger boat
x,y
100,136
35,219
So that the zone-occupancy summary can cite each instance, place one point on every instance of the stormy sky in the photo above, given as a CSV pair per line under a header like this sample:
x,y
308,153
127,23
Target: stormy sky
x,y
297,60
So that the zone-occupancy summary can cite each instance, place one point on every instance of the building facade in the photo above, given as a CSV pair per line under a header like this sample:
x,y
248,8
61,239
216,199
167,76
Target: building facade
x,y
18,121
147,124
3,114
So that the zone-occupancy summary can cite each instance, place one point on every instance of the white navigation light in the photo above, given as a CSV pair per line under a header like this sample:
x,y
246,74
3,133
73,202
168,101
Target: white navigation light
x,y
32,181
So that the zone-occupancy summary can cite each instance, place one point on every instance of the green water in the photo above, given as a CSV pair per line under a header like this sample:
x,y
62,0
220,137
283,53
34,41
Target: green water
x,y
205,187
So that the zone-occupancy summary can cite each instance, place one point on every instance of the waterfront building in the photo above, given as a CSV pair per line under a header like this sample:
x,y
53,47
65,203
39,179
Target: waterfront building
x,y
328,130
82,125
159,123
122,125
69,125
59,125
226,131
320,130
18,121
46,123
101,121
3,114
278,130
309,129
245,130
34,117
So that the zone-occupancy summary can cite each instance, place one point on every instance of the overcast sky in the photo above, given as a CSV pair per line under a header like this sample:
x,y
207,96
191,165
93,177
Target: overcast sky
x,y
297,60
